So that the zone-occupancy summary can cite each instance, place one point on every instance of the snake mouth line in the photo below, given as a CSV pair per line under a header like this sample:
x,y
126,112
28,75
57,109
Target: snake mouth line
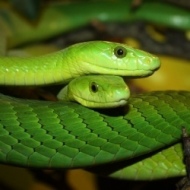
x,y
95,69
136,73
93,104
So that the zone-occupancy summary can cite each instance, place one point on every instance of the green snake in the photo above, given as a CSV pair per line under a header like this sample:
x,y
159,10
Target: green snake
x,y
18,152
68,135
95,57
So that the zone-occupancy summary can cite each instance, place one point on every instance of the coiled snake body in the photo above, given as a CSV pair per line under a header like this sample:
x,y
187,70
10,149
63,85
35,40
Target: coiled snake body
x,y
68,135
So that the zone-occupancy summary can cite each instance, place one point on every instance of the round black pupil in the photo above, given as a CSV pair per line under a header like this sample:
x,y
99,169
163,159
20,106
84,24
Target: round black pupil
x,y
94,88
120,52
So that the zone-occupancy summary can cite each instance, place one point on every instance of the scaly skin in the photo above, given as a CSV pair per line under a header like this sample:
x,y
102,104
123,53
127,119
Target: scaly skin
x,y
67,135
182,23
124,173
95,57
164,164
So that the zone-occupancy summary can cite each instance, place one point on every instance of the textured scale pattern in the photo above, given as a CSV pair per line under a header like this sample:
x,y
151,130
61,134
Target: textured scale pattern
x,y
32,75
65,135
164,164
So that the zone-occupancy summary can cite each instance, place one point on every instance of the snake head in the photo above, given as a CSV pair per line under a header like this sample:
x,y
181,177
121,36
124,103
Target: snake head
x,y
110,58
97,91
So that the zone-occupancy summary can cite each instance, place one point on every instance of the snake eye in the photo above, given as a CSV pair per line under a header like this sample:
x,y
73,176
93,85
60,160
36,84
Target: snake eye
x,y
94,87
120,52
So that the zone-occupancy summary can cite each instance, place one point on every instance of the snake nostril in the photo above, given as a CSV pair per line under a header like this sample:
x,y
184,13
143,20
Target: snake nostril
x,y
147,60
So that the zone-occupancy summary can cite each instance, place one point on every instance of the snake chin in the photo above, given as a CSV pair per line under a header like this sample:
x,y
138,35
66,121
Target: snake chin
x,y
145,73
109,105
122,103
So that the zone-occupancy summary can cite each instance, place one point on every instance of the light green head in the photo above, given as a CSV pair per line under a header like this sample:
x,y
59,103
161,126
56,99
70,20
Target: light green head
x,y
110,58
96,91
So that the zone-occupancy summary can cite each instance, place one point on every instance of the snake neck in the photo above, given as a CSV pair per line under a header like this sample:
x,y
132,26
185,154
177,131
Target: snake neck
x,y
48,69
65,95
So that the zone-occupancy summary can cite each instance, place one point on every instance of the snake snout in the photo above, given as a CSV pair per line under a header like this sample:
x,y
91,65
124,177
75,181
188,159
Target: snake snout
x,y
123,96
149,63
154,63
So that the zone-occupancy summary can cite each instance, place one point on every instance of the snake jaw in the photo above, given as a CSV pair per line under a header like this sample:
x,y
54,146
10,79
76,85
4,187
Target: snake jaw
x,y
93,104
100,70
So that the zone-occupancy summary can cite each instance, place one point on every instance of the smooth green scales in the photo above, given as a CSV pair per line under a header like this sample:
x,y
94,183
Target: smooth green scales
x,y
67,135
30,139
95,57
